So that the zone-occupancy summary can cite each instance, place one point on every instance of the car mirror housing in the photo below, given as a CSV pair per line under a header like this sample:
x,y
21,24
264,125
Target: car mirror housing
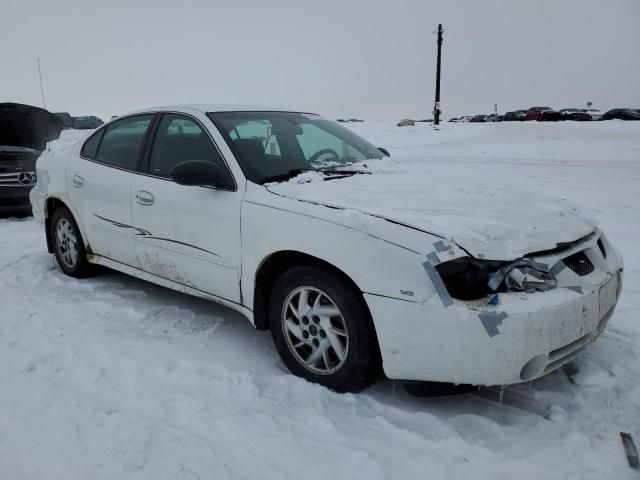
x,y
202,173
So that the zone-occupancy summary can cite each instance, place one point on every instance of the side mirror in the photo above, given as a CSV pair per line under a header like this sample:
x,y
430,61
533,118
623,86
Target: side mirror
x,y
202,173
385,151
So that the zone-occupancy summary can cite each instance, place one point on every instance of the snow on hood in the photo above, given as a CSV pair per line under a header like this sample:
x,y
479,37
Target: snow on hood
x,y
489,221
27,126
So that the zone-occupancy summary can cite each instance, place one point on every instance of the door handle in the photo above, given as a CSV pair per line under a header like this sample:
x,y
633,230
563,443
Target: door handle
x,y
77,181
144,198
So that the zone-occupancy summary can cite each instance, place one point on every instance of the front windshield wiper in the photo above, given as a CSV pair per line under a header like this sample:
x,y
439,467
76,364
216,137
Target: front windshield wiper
x,y
297,171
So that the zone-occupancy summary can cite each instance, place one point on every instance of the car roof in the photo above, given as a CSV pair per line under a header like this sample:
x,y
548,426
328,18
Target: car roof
x,y
217,107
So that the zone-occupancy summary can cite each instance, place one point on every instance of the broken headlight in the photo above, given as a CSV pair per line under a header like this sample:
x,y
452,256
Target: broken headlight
x,y
466,278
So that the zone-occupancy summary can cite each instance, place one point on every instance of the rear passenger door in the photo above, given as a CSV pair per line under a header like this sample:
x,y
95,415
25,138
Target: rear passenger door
x,y
99,185
191,234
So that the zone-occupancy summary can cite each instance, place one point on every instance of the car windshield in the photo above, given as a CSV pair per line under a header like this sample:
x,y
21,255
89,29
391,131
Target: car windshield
x,y
273,146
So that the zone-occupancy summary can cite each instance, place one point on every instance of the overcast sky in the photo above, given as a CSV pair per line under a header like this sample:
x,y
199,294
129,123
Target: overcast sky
x,y
373,59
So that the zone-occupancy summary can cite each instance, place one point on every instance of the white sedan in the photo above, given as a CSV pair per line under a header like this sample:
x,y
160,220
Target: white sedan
x,y
311,232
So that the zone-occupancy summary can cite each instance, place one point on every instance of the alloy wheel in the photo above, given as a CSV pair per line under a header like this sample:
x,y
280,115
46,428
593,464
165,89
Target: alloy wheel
x,y
315,330
66,243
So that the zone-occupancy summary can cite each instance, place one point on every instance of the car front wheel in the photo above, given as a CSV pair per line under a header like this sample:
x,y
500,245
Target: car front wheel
x,y
322,329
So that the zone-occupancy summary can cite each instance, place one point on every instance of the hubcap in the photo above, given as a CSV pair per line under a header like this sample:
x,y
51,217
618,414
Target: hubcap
x,y
66,243
315,330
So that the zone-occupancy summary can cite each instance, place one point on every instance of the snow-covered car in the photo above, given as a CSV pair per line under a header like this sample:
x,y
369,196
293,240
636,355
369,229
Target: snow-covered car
x,y
24,133
350,260
595,113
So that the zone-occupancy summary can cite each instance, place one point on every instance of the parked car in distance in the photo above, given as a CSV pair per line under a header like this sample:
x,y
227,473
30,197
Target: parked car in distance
x,y
478,118
577,114
407,122
622,114
494,118
200,199
24,133
66,118
87,122
542,114
515,116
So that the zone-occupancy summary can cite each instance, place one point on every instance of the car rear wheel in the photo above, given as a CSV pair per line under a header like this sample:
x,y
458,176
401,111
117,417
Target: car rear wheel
x,y
322,329
68,246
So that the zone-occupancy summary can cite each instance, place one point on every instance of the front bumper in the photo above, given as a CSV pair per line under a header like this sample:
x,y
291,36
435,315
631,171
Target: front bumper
x,y
14,198
524,337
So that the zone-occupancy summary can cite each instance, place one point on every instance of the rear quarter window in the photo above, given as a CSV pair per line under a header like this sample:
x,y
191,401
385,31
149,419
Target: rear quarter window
x,y
90,147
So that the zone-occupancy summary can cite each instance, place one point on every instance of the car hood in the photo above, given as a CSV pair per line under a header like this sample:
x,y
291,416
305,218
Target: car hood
x,y
27,126
494,224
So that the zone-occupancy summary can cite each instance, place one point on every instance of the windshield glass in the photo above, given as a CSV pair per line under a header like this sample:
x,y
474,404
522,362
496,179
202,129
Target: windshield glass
x,y
275,145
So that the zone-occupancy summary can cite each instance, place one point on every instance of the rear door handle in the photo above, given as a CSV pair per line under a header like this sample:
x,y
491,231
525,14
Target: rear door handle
x,y
144,198
77,181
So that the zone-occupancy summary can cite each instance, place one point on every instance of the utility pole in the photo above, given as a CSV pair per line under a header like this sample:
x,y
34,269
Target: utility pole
x,y
41,87
436,108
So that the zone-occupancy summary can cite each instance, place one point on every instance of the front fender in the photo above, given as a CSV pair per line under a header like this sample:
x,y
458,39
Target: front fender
x,y
376,266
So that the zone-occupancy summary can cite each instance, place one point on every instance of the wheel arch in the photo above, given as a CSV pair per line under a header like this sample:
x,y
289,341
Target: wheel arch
x,y
272,267
52,203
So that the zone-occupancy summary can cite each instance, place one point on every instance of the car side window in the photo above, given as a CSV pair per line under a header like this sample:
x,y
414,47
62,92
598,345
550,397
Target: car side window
x,y
179,139
122,142
90,147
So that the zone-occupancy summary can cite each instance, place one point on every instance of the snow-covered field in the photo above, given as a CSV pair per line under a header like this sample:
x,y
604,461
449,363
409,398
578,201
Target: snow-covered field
x,y
111,377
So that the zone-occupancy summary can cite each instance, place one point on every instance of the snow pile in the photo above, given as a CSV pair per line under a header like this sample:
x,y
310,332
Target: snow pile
x,y
111,377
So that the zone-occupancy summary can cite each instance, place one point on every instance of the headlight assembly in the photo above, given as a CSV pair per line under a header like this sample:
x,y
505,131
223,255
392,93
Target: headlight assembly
x,y
467,278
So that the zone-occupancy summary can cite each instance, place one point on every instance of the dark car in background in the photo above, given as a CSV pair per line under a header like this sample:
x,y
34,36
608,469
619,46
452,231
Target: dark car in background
x,y
24,133
66,118
479,118
577,114
542,114
87,122
515,116
622,114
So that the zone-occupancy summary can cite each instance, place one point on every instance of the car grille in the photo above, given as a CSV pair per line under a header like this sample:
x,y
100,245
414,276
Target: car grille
x,y
579,263
17,179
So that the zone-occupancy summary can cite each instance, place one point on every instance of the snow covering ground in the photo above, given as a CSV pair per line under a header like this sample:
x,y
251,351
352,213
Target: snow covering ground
x,y
111,377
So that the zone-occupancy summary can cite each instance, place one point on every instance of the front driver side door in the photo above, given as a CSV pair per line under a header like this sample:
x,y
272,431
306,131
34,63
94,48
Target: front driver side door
x,y
191,235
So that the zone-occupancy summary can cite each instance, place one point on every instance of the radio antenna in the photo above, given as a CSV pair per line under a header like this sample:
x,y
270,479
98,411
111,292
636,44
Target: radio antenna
x,y
41,87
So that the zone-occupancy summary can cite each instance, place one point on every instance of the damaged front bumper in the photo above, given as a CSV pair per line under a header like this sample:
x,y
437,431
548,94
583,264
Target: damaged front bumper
x,y
523,337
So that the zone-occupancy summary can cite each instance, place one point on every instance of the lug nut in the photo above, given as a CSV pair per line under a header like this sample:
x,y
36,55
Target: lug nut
x,y
305,334
323,334
305,320
315,319
316,342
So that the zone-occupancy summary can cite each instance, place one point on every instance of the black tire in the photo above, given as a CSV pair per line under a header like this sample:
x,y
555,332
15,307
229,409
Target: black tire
x,y
81,268
361,362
